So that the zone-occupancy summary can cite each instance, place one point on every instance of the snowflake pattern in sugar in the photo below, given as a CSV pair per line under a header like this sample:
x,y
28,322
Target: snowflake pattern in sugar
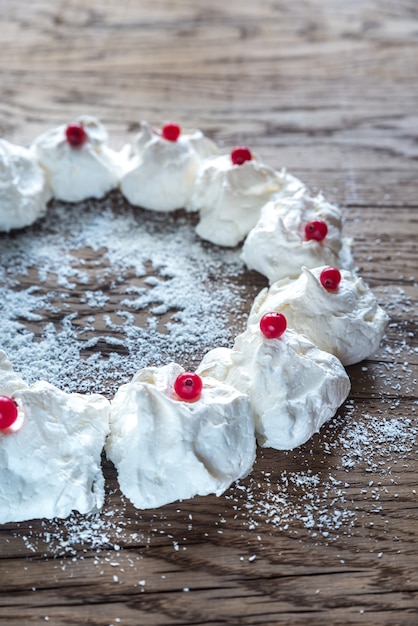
x,y
151,292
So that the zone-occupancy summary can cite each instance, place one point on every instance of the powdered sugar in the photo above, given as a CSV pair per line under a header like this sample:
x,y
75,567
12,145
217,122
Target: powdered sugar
x,y
154,299
322,501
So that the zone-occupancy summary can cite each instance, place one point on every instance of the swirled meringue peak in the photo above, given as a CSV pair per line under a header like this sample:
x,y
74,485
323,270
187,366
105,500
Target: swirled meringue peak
x,y
277,246
161,175
167,449
89,169
10,381
24,193
229,196
347,321
50,461
294,387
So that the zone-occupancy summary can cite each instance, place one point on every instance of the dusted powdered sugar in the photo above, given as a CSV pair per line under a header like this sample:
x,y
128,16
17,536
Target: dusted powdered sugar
x,y
347,321
158,294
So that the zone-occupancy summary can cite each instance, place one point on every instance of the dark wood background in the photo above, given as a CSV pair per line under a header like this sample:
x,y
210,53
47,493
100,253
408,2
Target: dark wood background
x,y
329,89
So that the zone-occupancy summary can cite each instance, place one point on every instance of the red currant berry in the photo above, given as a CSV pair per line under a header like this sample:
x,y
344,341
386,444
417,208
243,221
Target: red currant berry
x,y
316,229
76,135
240,154
8,412
330,278
171,131
188,386
273,325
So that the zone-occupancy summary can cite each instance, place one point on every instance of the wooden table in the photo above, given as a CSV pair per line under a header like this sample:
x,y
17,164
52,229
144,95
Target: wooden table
x,y
327,88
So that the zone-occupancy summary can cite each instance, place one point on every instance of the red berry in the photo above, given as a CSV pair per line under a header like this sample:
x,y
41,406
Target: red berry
x,y
171,131
317,229
273,325
76,135
8,412
240,154
330,278
188,386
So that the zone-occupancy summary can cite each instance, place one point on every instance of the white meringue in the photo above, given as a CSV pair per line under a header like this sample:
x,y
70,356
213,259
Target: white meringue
x,y
294,387
77,173
10,381
165,449
161,175
277,248
24,193
229,197
50,464
347,322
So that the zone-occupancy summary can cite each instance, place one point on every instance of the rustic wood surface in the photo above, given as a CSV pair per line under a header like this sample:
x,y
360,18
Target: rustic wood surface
x,y
328,88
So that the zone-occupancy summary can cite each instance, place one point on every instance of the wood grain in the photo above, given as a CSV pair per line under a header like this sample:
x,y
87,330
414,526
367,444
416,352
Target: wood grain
x,y
329,89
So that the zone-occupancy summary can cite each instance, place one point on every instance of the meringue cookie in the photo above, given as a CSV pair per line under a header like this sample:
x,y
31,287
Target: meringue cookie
x,y
165,449
24,193
229,197
10,381
277,248
77,173
161,175
348,322
294,387
50,464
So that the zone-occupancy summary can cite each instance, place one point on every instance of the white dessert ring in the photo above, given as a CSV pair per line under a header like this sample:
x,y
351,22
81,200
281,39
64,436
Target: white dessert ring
x,y
173,434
